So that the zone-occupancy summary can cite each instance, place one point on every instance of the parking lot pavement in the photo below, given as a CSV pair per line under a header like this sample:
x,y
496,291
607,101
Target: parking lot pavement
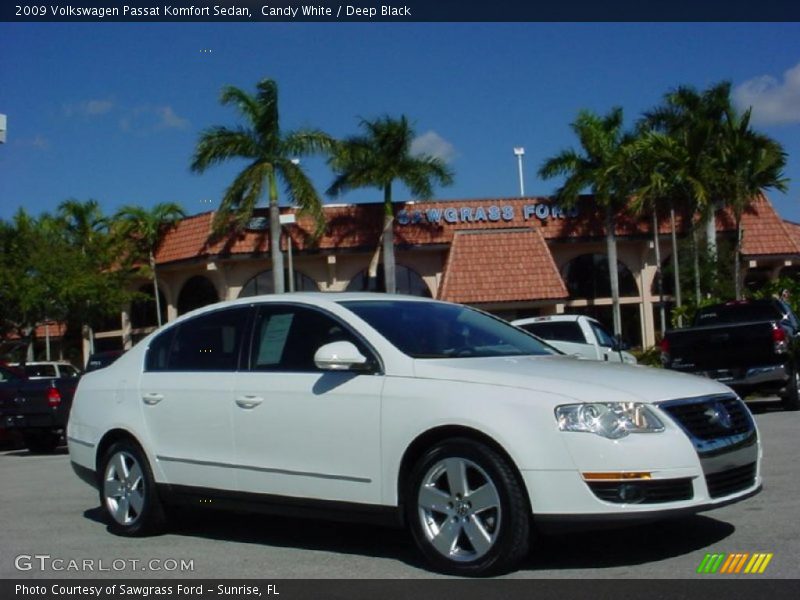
x,y
46,510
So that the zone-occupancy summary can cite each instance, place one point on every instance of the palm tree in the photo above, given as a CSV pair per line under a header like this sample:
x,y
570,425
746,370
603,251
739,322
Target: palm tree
x,y
84,224
662,177
695,120
271,156
602,167
144,229
378,158
749,163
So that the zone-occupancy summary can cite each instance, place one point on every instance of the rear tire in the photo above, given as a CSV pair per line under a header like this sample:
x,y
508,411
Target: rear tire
x,y
128,494
41,442
467,509
791,397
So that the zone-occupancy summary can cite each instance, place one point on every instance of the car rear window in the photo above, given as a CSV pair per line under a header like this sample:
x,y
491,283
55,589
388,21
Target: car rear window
x,y
564,331
40,370
736,313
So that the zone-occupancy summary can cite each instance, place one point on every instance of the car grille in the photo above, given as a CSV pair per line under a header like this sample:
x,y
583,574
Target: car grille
x,y
712,418
643,492
731,481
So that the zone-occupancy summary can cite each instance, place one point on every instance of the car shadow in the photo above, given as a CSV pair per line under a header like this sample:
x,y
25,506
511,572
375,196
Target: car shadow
x,y
24,452
597,549
627,546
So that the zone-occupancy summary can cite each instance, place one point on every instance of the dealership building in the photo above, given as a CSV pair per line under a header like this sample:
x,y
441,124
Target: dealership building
x,y
514,257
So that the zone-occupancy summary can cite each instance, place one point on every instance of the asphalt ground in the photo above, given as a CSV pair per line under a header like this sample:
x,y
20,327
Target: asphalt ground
x,y
45,510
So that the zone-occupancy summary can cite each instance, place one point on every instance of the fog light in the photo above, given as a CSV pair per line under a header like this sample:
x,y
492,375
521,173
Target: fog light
x,y
631,493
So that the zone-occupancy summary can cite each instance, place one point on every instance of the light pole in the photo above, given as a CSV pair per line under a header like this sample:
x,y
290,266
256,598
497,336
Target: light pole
x,y
289,219
519,152
2,129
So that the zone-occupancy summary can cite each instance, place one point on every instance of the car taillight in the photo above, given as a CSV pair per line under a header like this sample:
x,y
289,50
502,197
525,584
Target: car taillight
x,y
779,340
664,351
53,398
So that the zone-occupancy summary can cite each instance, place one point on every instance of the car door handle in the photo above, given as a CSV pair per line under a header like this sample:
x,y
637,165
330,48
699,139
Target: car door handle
x,y
248,401
152,398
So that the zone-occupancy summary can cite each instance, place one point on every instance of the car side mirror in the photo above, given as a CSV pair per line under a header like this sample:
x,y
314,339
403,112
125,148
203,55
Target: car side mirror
x,y
620,344
340,356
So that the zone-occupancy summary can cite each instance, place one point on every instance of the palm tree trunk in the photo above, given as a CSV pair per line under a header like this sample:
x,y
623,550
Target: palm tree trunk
x,y
711,236
675,264
388,241
696,265
611,244
155,288
275,237
659,278
737,266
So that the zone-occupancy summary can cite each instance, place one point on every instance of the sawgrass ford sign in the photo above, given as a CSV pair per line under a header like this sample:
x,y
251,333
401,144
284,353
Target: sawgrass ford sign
x,y
482,214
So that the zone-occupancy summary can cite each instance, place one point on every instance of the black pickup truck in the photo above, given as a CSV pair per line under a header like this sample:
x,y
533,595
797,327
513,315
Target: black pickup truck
x,y
37,408
750,345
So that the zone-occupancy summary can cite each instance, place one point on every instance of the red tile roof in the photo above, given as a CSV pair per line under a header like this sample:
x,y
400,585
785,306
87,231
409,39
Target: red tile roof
x,y
504,265
358,227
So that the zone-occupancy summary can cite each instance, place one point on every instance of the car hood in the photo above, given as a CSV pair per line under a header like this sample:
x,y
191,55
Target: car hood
x,y
582,380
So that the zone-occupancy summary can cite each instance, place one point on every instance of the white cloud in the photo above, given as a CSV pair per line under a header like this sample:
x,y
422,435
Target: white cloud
x,y
89,108
38,142
432,144
149,119
774,102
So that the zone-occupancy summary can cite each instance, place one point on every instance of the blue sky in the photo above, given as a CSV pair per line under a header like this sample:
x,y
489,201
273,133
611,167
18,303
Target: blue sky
x,y
112,111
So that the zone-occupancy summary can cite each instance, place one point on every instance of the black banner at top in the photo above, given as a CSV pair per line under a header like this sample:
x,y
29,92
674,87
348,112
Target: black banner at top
x,y
367,11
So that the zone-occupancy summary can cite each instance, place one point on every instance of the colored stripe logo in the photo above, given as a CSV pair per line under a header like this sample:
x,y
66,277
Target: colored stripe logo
x,y
735,563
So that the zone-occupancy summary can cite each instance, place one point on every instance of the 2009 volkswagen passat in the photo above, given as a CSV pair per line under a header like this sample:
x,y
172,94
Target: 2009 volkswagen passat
x,y
467,429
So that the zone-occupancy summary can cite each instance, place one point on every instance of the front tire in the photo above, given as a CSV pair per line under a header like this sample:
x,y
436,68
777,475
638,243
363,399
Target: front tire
x,y
128,494
467,509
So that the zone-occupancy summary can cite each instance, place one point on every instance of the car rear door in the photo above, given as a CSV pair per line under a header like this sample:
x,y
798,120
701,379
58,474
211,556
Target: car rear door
x,y
187,393
301,431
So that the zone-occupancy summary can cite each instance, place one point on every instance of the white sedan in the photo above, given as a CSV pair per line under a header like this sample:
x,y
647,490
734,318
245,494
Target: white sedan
x,y
402,410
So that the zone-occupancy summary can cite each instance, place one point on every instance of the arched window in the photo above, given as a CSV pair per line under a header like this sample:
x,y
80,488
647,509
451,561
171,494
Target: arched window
x,y
667,279
262,284
587,277
196,292
143,310
407,281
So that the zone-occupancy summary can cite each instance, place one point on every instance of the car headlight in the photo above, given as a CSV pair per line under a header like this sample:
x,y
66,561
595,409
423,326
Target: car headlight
x,y
612,420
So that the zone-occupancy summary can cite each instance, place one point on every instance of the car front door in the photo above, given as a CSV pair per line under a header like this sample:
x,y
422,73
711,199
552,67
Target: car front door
x,y
301,431
186,393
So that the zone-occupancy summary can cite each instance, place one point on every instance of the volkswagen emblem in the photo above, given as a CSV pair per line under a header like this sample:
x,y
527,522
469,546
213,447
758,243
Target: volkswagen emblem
x,y
718,415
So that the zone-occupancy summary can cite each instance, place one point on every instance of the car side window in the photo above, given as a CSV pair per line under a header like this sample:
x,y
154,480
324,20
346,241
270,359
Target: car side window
x,y
209,342
603,337
7,376
286,338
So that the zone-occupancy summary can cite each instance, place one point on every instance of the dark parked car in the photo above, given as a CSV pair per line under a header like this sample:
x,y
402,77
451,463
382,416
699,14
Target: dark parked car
x,y
37,408
750,345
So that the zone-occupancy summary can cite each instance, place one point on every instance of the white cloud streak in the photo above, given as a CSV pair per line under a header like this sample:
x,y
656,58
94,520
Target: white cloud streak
x,y
774,102
432,144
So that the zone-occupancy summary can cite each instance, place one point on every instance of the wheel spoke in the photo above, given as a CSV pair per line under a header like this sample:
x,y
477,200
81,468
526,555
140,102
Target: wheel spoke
x,y
136,499
121,511
135,475
432,499
480,539
445,540
112,488
120,466
483,498
456,476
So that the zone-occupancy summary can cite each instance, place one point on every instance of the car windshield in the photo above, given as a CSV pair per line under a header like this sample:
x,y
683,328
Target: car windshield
x,y
439,330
